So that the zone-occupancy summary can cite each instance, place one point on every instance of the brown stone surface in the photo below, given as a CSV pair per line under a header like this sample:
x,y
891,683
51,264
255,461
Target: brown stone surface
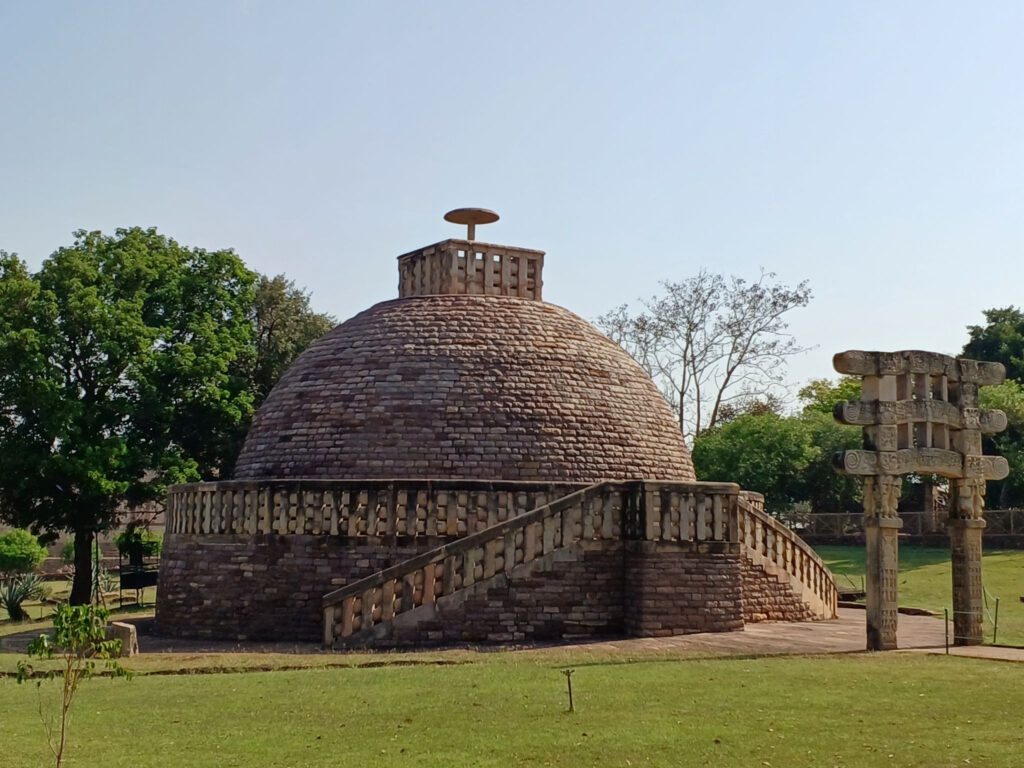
x,y
576,592
766,598
264,587
465,387
673,590
590,589
269,588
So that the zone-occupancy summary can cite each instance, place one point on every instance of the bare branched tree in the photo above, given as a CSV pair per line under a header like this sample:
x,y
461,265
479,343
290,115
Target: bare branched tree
x,y
711,342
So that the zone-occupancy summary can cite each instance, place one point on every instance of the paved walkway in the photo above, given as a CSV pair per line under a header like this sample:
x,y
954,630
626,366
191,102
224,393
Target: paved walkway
x,y
846,634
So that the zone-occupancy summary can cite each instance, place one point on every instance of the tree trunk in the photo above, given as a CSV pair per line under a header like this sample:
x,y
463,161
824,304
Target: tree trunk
x,y
81,588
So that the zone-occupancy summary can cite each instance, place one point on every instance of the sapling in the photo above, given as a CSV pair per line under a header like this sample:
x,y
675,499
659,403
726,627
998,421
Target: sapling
x,y
79,641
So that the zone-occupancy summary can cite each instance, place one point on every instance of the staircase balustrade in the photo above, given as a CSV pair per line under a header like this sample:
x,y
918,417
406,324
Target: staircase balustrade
x,y
639,510
770,544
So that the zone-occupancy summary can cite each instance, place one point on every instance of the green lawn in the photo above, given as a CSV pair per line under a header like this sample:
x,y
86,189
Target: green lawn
x,y
926,582
510,709
40,613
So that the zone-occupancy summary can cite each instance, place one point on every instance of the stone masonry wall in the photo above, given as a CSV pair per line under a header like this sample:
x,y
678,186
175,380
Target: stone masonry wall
x,y
676,589
590,589
269,587
264,587
765,598
574,592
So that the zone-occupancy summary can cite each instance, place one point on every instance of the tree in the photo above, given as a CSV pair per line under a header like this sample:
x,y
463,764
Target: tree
x,y
79,641
821,395
762,452
820,485
770,403
284,325
787,458
1000,340
1009,398
709,342
118,375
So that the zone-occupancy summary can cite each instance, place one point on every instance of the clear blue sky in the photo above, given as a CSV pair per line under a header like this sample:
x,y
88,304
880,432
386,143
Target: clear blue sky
x,y
875,149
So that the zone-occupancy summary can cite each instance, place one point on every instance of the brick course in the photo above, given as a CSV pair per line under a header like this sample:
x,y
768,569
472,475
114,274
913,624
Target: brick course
x,y
493,387
264,586
765,598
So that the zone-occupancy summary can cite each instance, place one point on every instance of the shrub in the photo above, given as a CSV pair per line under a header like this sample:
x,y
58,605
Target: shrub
x,y
20,552
16,590
138,542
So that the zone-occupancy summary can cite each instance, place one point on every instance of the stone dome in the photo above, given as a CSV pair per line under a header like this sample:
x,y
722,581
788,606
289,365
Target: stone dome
x,y
484,387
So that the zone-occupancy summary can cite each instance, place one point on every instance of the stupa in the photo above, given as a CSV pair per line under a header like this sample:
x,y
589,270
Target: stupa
x,y
470,463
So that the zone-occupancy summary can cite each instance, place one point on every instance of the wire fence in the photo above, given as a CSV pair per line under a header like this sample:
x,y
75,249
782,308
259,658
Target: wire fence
x,y
840,525
989,617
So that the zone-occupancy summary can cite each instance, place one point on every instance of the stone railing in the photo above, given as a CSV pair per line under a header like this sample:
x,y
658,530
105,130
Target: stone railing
x,y
768,543
695,512
352,507
474,268
691,512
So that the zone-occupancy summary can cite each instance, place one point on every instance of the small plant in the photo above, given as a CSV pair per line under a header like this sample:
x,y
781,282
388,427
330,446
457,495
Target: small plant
x,y
20,552
79,642
67,551
16,590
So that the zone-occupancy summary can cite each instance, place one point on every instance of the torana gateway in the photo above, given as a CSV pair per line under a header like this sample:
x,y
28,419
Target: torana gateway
x,y
470,463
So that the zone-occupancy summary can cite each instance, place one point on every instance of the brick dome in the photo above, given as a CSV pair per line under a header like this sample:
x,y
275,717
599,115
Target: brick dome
x,y
465,387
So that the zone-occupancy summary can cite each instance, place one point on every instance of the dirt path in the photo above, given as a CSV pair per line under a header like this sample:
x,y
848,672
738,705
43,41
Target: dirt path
x,y
842,635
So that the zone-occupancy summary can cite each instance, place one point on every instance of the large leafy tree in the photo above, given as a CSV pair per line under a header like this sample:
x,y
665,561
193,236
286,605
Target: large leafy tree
x,y
821,486
763,452
119,374
1000,340
787,458
283,325
1009,398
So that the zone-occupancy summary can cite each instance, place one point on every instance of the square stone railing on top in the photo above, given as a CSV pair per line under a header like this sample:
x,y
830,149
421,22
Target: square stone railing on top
x,y
472,268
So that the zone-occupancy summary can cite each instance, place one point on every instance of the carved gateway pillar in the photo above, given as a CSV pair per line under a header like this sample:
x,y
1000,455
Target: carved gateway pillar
x,y
881,528
920,414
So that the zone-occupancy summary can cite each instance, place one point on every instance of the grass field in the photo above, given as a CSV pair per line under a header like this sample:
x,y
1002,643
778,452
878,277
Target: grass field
x,y
511,709
466,708
926,582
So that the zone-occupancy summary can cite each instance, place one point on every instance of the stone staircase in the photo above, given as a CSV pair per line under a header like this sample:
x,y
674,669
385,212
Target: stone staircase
x,y
650,558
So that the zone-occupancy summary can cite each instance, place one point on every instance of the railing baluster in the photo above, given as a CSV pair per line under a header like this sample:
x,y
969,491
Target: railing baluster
x,y
429,583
